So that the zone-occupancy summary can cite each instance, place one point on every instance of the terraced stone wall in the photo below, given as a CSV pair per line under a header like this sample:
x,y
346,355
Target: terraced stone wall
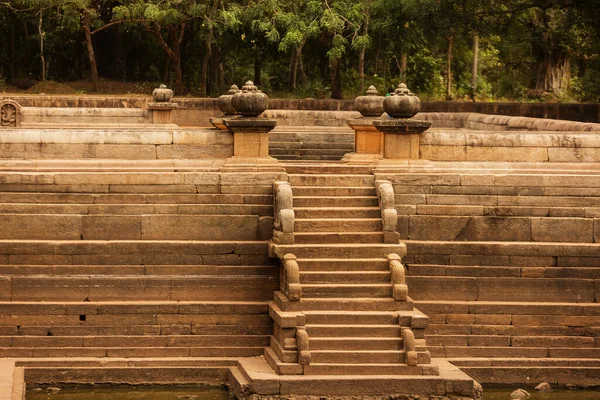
x,y
135,264
503,257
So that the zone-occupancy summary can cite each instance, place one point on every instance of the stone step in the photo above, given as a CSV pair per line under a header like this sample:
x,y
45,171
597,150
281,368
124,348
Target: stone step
x,y
500,340
333,237
320,191
341,304
340,251
357,356
355,343
336,264
308,150
336,212
135,252
504,271
121,194
354,277
502,289
109,210
361,369
293,146
356,318
526,313
130,352
135,270
364,331
335,201
201,324
331,180
148,288
338,225
346,290
136,341
331,168
130,227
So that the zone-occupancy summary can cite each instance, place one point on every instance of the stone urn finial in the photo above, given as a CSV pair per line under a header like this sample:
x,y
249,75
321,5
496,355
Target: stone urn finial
x,y
250,102
162,94
402,103
224,102
370,105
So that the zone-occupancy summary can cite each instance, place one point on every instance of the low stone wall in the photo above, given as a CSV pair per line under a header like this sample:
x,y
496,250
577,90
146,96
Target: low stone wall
x,y
60,116
119,143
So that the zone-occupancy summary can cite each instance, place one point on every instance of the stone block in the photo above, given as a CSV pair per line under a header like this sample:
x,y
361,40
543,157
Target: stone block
x,y
435,227
199,227
552,341
435,288
578,230
539,289
189,152
493,319
40,226
129,288
111,227
47,288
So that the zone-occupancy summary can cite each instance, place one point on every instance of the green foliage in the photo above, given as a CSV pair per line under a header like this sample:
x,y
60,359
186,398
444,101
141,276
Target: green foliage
x,y
529,50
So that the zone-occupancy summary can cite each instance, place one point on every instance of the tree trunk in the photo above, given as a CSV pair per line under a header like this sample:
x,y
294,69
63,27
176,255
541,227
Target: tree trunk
x,y
296,59
336,80
403,66
91,54
205,60
118,54
257,71
554,73
475,68
449,69
11,75
216,76
361,57
42,46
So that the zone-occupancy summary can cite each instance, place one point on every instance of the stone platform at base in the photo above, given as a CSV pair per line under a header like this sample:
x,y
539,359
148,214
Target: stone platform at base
x,y
259,378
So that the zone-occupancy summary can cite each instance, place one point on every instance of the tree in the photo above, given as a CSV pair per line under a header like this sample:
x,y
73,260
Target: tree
x,y
167,20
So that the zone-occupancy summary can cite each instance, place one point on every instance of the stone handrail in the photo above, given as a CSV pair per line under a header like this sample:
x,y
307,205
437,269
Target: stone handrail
x,y
283,224
389,215
410,351
302,343
290,277
398,277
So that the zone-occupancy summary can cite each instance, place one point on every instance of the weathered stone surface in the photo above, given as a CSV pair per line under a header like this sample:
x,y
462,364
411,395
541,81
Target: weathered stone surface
x,y
562,230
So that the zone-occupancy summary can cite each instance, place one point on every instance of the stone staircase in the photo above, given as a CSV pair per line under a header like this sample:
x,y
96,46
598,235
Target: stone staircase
x,y
345,315
319,143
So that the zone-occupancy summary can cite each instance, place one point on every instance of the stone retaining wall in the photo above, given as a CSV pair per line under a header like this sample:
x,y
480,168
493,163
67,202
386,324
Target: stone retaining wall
x,y
197,111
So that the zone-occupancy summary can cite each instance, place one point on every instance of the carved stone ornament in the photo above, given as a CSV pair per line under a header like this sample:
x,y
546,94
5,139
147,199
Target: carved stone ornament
x,y
162,94
370,105
10,114
224,102
250,102
402,103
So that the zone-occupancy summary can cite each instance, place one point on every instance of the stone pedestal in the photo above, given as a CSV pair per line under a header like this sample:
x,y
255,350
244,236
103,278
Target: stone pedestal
x,y
251,144
368,142
401,137
162,113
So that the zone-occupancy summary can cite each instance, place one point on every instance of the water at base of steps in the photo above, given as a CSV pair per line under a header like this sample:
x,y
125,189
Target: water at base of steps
x,y
203,392
127,392
503,393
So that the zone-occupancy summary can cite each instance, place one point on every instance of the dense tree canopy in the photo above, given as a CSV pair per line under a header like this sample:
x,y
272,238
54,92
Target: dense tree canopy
x,y
456,49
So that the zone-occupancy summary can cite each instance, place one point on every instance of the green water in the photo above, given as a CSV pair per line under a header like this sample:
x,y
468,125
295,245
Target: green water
x,y
495,393
110,392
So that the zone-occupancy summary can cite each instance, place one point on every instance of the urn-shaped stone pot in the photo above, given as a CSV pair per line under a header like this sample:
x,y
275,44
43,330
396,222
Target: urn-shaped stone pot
x,y
370,105
162,94
250,102
402,103
224,102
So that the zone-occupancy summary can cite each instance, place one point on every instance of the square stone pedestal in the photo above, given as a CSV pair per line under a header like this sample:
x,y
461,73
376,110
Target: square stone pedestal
x,y
401,137
368,142
162,113
251,144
